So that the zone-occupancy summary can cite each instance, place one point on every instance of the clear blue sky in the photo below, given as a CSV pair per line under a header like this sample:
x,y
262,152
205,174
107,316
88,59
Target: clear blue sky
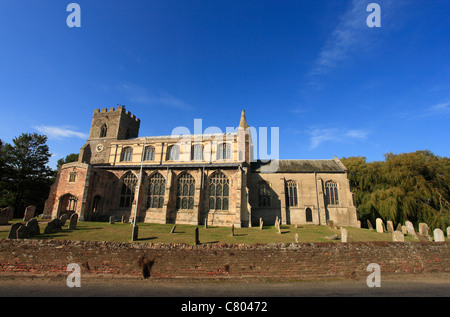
x,y
312,68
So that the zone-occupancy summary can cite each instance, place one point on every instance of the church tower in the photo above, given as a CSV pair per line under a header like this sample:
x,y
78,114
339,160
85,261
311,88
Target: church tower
x,y
108,125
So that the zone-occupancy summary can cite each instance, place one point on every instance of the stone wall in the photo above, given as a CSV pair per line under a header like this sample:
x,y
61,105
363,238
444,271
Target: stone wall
x,y
304,261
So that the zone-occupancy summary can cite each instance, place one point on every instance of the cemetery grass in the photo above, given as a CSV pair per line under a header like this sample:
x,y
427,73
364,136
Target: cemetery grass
x,y
160,233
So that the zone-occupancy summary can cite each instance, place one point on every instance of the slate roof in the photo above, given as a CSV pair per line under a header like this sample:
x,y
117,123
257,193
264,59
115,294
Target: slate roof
x,y
302,166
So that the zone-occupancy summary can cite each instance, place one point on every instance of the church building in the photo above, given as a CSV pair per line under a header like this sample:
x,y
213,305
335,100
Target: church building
x,y
193,179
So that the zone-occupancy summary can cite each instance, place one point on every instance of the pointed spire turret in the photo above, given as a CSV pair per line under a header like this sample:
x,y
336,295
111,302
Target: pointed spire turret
x,y
243,123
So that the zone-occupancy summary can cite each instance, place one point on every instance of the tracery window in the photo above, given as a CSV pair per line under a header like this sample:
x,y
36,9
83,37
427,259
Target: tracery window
x,y
103,130
156,191
331,193
263,195
197,152
223,151
185,192
149,153
219,189
129,182
173,153
127,154
291,190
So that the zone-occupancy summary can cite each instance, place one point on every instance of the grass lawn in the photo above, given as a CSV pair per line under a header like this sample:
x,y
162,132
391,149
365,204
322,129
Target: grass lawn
x,y
160,233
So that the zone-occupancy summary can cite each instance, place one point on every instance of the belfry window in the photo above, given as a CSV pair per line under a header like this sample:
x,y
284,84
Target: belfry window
x,y
219,191
127,154
156,191
331,193
128,187
185,192
103,130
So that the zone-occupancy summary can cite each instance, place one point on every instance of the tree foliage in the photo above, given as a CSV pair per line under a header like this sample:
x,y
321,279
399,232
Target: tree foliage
x,y
25,178
409,186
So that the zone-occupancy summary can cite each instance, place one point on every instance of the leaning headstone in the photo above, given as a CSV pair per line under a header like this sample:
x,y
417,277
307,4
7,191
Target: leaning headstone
x,y
33,227
13,230
279,228
73,221
53,226
332,237
173,229
410,228
63,219
344,235
260,223
423,229
390,226
379,223
438,235
399,227
112,219
29,213
232,230
369,225
397,236
404,230
23,232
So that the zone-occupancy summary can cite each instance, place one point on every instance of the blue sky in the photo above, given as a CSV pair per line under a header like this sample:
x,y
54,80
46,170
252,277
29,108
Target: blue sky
x,y
314,69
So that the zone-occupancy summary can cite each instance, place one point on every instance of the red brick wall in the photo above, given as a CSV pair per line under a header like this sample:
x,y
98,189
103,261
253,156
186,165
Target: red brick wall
x,y
279,262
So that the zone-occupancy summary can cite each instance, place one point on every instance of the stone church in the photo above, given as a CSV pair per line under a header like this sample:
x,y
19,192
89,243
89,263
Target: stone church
x,y
190,179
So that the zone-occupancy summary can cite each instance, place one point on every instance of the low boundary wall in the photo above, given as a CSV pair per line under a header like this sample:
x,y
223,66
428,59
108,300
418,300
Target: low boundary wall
x,y
302,261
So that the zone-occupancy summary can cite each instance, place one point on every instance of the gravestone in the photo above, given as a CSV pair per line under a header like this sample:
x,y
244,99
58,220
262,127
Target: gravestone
x,y
423,229
196,239
124,219
13,230
23,232
206,223
438,235
397,236
63,219
410,228
260,223
344,235
73,221
33,227
404,230
296,238
53,226
6,214
379,224
448,232
112,219
390,226
29,213
279,228
232,230
369,224
399,227
173,229
331,224
358,224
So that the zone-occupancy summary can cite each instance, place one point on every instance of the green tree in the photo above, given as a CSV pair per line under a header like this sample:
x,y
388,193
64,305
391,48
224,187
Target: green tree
x,y
27,178
68,159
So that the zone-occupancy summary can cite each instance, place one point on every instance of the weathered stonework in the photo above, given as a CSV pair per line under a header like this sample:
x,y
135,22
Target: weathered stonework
x,y
106,181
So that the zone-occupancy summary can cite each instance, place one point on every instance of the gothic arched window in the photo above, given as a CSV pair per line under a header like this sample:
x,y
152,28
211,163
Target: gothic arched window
x,y
173,153
185,192
331,193
156,191
223,151
127,154
263,194
291,190
129,182
149,153
219,191
197,152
